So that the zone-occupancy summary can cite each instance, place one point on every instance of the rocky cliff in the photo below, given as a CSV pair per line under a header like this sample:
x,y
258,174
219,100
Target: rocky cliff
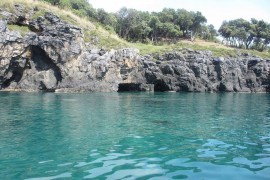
x,y
53,57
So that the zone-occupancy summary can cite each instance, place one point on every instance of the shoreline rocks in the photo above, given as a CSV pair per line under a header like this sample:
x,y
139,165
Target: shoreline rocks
x,y
54,58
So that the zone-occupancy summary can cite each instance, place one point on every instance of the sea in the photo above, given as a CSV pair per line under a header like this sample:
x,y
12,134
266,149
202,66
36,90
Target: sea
x,y
134,135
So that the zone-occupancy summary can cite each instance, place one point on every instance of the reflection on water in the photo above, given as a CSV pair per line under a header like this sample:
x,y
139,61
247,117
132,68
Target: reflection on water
x,y
134,135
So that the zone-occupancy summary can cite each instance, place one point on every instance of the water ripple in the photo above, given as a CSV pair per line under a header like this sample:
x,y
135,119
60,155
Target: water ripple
x,y
134,136
60,176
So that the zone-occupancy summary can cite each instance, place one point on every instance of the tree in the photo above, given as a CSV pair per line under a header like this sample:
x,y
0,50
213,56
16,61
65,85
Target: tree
x,y
135,25
101,15
212,32
242,33
198,20
266,36
140,31
80,7
184,19
121,16
208,32
167,15
168,30
111,20
154,23
262,33
127,19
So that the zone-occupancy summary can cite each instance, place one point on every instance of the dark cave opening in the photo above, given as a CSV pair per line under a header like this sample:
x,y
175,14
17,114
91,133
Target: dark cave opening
x,y
128,87
16,70
161,86
44,62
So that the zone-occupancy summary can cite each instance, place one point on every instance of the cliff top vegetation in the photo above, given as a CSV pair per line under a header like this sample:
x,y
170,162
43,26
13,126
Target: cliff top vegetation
x,y
155,32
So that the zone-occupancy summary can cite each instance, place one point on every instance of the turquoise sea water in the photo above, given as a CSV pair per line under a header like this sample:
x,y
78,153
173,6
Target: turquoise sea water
x,y
134,136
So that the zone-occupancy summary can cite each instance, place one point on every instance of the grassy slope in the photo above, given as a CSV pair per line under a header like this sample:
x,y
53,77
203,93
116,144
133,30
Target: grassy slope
x,y
218,50
111,40
90,29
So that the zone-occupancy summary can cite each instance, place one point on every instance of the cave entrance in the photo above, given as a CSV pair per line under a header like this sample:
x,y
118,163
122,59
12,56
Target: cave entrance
x,y
161,86
128,87
16,70
135,87
43,62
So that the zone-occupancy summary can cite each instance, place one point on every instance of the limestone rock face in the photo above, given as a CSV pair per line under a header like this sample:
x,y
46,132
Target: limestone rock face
x,y
53,57
20,15
199,71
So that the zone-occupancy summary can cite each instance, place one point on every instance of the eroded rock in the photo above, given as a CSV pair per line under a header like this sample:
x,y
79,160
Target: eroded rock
x,y
54,57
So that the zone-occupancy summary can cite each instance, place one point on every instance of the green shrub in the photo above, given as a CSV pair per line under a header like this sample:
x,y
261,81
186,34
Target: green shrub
x,y
21,29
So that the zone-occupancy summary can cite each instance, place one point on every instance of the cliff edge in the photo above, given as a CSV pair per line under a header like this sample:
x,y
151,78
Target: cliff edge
x,y
54,57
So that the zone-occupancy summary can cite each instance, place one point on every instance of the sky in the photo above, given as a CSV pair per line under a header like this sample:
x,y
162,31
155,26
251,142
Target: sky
x,y
215,11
